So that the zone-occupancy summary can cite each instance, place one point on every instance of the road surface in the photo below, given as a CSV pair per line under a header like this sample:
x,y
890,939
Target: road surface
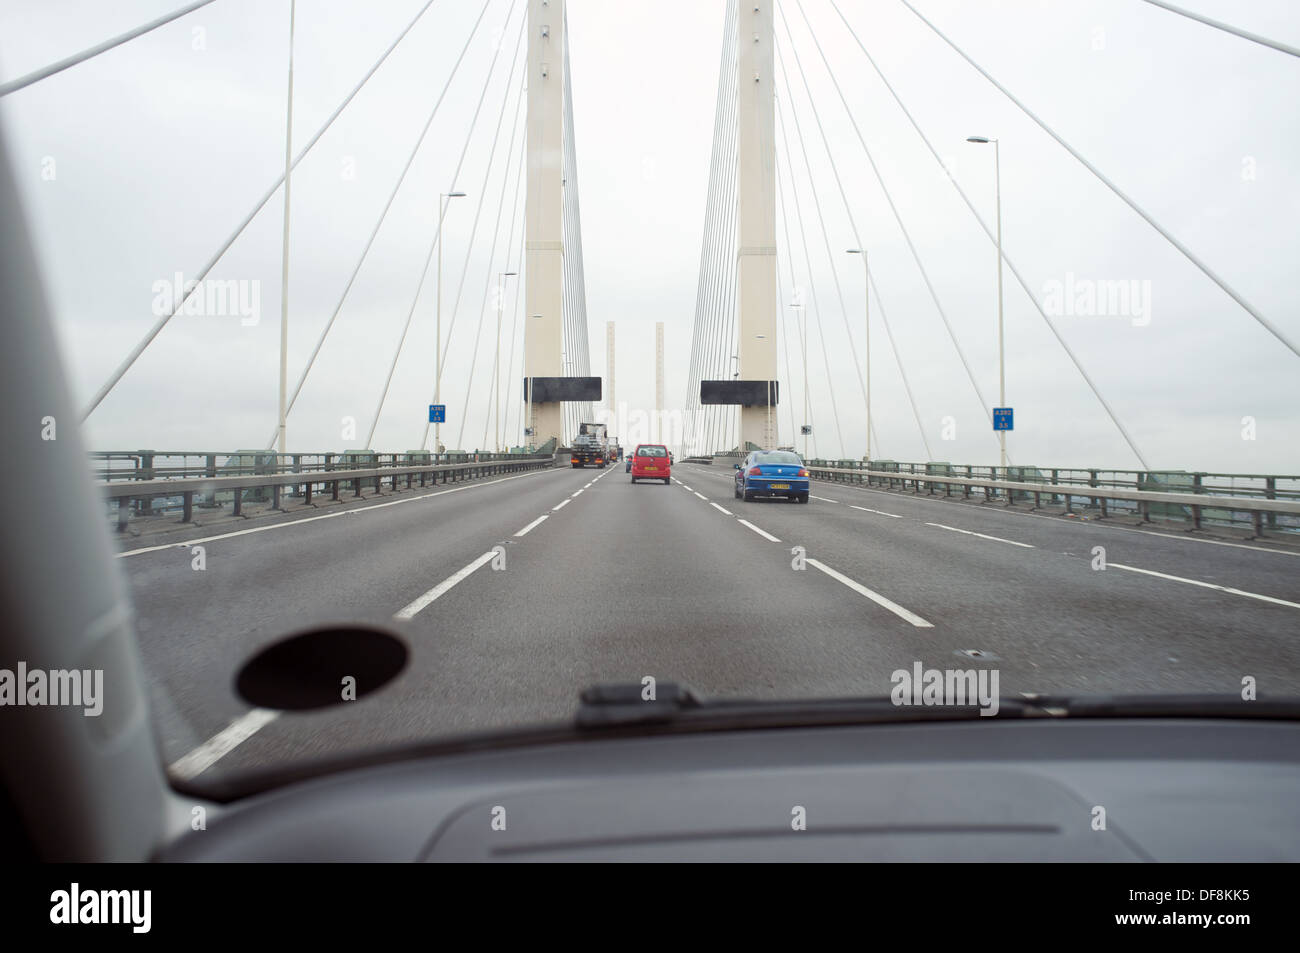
x,y
608,581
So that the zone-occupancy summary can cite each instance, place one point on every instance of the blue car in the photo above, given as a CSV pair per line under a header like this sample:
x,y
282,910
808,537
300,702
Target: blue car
x,y
777,473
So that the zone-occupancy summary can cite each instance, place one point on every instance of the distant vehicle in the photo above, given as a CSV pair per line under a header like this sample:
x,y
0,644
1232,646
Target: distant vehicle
x,y
651,462
778,473
590,447
628,468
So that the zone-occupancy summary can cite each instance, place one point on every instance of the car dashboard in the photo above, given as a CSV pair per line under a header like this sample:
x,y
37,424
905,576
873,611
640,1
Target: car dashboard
x,y
1126,790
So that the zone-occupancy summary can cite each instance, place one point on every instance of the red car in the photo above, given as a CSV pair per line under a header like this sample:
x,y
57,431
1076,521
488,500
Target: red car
x,y
651,461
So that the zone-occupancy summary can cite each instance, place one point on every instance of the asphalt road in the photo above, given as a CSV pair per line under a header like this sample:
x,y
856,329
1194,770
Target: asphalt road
x,y
611,581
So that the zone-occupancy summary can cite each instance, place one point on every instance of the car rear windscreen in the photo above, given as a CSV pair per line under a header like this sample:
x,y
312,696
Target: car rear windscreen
x,y
651,452
778,457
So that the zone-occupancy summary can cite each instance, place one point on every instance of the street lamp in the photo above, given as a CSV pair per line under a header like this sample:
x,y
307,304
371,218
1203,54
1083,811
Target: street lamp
x,y
531,431
496,366
1002,378
866,311
735,418
769,439
803,345
437,348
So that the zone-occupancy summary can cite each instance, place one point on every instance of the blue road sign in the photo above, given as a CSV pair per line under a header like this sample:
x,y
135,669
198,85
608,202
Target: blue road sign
x,y
437,413
1003,418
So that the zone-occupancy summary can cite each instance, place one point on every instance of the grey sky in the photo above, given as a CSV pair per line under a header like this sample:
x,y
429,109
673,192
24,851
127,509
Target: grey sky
x,y
161,148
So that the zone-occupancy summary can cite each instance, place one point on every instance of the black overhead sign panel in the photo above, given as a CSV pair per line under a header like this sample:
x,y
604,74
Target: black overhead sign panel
x,y
546,390
747,393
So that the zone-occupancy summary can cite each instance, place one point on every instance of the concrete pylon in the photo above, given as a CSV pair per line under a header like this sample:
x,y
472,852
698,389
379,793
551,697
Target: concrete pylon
x,y
659,381
756,169
544,236
609,367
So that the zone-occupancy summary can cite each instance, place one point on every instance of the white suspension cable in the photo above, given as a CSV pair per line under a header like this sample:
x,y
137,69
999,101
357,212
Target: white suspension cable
x,y
1051,326
44,72
812,284
212,262
916,257
383,215
1227,28
1146,216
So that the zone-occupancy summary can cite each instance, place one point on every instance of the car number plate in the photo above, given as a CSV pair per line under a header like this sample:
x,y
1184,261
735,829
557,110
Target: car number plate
x,y
652,468
780,486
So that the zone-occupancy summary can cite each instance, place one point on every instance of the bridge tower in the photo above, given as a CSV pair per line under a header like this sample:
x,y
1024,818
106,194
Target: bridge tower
x,y
756,171
544,237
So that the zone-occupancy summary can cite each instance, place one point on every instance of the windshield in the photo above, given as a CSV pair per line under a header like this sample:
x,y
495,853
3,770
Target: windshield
x,y
776,457
350,354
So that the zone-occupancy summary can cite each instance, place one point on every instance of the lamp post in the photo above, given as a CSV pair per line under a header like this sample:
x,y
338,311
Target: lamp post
x,y
531,431
769,439
803,346
866,315
437,356
1002,377
496,365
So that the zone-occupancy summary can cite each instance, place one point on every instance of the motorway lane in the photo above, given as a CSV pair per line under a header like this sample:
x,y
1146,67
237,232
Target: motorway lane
x,y
362,564
1056,623
1259,566
618,582
623,582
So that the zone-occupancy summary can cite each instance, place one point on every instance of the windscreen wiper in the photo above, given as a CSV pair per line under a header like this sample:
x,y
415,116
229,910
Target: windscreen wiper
x,y
677,707
623,704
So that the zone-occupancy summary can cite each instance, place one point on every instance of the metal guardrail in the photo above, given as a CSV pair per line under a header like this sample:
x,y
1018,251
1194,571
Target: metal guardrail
x,y
1259,504
124,491
172,464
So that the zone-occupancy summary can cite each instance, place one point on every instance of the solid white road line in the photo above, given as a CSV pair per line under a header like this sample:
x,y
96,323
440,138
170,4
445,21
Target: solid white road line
x,y
1193,539
324,516
443,587
533,525
1207,585
877,512
996,539
760,532
875,597
560,507
1012,514
221,744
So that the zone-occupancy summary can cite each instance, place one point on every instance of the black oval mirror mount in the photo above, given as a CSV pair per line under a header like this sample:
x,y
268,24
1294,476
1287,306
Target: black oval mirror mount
x,y
321,667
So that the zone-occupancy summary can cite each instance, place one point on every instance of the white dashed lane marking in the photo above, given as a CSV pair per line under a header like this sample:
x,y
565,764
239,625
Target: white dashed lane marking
x,y
1206,585
877,512
760,532
875,597
531,526
968,532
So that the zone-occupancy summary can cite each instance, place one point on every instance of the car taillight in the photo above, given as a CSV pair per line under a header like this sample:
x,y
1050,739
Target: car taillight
x,y
803,473
755,471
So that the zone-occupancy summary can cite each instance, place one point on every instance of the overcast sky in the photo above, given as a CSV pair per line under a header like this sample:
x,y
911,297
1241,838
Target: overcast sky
x,y
138,164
